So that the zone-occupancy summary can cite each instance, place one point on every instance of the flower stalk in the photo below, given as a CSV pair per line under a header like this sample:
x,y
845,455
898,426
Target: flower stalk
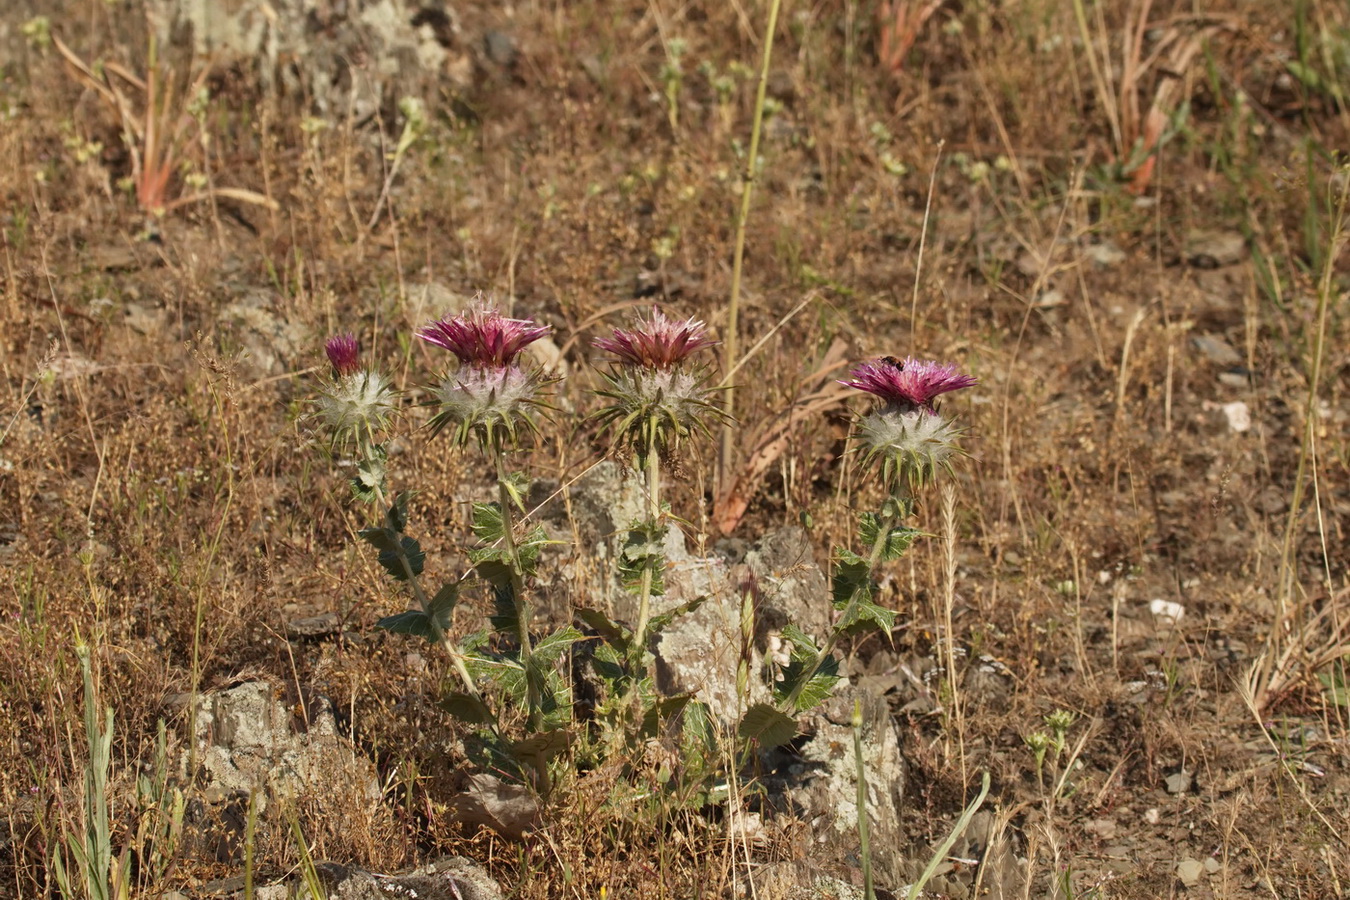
x,y
490,400
912,443
657,396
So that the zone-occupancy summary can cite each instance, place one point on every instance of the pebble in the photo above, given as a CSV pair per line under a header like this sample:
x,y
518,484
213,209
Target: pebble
x,y
1105,254
1189,871
314,626
1217,349
1180,782
1215,249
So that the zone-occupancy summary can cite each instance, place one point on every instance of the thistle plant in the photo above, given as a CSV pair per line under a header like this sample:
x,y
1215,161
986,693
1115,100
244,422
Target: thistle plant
x,y
492,401
657,394
657,398
357,405
911,443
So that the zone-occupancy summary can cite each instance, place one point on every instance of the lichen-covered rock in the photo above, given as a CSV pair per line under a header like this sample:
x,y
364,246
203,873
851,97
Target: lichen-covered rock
x,y
820,781
249,740
449,878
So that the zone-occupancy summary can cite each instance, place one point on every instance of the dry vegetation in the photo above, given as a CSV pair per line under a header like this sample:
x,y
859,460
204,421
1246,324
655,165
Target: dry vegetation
x,y
163,499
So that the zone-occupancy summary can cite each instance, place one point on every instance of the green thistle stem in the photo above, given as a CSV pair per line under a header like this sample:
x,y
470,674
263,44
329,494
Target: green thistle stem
x,y
902,504
448,643
533,700
652,464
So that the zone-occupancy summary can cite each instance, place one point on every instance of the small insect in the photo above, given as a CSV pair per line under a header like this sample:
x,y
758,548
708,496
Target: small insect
x,y
898,363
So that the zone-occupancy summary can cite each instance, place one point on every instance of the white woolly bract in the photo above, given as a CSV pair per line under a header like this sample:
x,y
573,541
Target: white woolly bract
x,y
917,436
361,400
472,393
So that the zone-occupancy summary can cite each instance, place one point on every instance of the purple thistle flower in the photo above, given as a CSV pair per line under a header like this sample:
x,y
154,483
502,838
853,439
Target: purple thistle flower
x,y
908,384
482,337
343,353
656,343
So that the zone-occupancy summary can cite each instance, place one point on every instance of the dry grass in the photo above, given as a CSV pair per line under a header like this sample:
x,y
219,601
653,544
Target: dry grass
x,y
162,496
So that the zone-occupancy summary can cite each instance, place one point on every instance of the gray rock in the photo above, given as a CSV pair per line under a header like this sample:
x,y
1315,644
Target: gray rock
x,y
1190,871
271,345
1180,782
450,878
1105,254
318,626
500,48
821,783
1215,249
1217,350
356,54
248,739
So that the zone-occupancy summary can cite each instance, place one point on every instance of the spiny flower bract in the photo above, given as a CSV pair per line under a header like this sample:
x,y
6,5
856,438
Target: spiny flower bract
x,y
357,402
490,396
907,434
656,395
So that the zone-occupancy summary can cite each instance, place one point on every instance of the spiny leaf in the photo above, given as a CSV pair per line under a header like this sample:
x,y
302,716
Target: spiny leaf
x,y
866,613
663,710
397,517
612,632
816,689
399,554
550,648
466,708
487,522
659,623
851,578
443,604
801,642
767,725
516,484
414,622
898,537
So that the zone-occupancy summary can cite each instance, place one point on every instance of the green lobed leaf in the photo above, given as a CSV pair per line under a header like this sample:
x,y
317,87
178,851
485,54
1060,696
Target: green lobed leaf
x,y
644,551
816,689
663,710
443,604
698,737
369,480
767,725
488,524
517,484
898,538
550,648
612,632
851,578
866,614
802,643
466,708
408,557
414,622
659,623
397,517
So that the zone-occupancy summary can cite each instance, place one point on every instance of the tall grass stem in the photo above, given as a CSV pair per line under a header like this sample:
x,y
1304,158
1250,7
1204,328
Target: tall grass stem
x,y
730,339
